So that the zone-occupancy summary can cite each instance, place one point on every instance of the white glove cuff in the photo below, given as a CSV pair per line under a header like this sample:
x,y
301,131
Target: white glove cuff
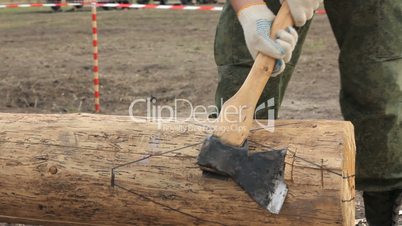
x,y
249,14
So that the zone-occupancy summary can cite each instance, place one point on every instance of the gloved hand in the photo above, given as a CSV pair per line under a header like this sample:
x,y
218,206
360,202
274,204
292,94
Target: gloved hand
x,y
256,21
302,10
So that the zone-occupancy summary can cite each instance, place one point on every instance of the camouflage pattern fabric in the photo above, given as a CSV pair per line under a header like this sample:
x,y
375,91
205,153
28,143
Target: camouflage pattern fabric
x,y
234,61
369,34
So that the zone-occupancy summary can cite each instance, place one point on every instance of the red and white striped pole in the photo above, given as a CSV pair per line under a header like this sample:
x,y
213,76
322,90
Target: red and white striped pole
x,y
95,57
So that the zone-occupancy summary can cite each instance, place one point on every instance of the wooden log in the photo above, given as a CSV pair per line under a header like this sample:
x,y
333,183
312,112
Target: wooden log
x,y
56,170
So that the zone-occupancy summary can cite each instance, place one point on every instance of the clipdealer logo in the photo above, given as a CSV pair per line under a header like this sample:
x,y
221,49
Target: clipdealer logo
x,y
161,114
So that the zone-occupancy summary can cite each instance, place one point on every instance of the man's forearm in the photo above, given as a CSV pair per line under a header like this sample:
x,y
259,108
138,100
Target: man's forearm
x,y
241,4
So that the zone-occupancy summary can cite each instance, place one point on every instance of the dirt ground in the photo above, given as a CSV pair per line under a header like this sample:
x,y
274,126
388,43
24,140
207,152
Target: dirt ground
x,y
45,62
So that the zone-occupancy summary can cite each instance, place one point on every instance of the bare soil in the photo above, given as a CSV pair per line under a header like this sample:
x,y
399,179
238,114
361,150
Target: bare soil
x,y
46,61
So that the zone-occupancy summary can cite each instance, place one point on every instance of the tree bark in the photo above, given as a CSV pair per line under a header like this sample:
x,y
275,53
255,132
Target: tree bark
x,y
57,170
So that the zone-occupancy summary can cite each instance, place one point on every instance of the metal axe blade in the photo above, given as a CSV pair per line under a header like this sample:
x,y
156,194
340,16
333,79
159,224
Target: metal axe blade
x,y
259,174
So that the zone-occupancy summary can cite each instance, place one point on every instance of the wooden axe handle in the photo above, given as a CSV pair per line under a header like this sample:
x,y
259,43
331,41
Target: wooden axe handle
x,y
233,126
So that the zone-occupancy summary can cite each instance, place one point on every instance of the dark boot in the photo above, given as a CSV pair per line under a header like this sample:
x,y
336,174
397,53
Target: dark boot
x,y
382,208
397,208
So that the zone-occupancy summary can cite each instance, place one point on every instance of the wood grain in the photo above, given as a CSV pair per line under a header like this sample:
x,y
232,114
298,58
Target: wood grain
x,y
56,170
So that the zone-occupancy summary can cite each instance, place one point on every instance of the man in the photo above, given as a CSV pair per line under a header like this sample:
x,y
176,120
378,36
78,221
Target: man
x,y
369,35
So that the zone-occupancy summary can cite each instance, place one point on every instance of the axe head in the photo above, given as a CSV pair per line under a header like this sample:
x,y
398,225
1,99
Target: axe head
x,y
259,174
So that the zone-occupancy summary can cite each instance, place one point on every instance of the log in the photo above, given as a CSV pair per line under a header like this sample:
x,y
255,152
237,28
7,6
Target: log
x,y
57,170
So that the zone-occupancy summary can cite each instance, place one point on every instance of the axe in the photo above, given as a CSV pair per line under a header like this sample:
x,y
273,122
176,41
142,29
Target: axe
x,y
226,151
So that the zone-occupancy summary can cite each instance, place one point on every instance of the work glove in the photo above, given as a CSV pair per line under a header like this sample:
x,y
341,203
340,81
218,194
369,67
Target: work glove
x,y
256,21
302,10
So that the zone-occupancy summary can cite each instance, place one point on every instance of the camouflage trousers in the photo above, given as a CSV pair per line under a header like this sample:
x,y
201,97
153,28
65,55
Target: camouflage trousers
x,y
369,35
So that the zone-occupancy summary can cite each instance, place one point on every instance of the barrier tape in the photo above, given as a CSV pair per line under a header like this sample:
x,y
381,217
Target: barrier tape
x,y
320,12
39,5
131,6
95,58
117,5
154,6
